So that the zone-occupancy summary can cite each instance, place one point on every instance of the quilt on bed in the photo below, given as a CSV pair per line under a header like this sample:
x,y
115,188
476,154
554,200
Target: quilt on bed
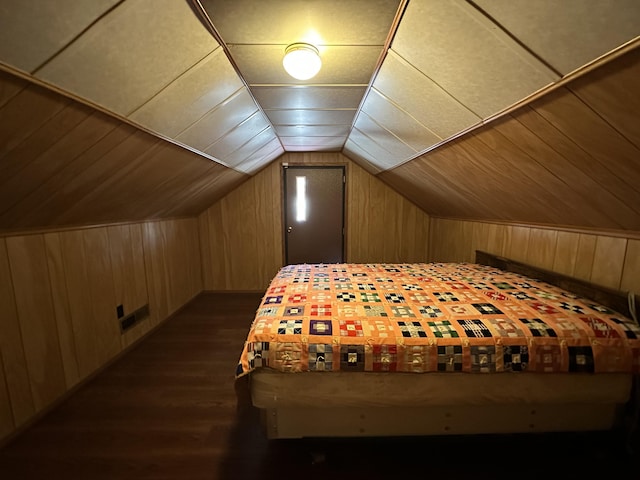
x,y
432,317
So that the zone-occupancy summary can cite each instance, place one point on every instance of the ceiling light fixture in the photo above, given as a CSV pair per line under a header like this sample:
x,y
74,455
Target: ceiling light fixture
x,y
301,61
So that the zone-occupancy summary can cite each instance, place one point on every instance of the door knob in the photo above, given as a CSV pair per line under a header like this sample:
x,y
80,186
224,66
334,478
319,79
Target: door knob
x,y
289,229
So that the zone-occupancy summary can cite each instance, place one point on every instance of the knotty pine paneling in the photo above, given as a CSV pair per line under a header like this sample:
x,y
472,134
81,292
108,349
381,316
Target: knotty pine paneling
x,y
59,291
242,234
610,261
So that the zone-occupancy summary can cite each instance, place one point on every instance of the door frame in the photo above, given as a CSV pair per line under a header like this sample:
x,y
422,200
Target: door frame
x,y
283,183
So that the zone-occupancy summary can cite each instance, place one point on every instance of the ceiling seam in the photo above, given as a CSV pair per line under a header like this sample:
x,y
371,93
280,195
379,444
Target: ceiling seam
x,y
76,37
203,16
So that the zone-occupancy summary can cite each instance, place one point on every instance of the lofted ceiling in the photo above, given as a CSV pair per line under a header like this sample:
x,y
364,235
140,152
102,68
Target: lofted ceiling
x,y
398,79
125,93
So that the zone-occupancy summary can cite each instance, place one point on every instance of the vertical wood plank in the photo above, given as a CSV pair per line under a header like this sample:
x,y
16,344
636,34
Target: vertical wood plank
x,y
496,238
156,271
376,227
631,271
518,243
13,357
359,215
6,415
75,265
129,280
392,218
205,250
566,251
541,248
105,324
584,257
608,261
61,307
28,262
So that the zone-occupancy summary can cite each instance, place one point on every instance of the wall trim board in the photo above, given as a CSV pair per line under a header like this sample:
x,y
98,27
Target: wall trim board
x,y
629,234
70,228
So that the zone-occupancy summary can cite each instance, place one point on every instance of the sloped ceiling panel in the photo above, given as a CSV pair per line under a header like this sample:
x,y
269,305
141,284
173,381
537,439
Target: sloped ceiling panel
x,y
463,52
33,31
575,31
190,97
124,60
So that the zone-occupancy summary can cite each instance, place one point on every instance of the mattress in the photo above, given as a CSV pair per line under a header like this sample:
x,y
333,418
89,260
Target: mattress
x,y
432,318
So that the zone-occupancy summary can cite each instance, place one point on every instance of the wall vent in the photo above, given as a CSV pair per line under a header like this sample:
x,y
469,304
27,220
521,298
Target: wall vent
x,y
130,320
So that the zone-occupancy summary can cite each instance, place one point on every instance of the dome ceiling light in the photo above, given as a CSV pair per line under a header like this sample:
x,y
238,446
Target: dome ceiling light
x,y
302,61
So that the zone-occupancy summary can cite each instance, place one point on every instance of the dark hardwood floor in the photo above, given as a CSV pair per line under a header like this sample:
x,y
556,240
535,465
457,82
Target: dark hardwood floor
x,y
169,409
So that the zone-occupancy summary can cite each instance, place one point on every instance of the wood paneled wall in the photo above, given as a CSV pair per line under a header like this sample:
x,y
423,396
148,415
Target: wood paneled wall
x,y
570,158
59,291
610,261
64,164
242,234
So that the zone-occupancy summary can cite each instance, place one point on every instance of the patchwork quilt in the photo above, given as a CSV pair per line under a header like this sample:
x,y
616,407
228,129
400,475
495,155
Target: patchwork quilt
x,y
432,317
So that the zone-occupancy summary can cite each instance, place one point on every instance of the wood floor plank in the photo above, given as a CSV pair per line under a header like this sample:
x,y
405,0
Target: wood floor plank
x,y
171,409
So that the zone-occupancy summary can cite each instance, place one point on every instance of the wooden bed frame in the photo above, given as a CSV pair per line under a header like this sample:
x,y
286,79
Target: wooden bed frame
x,y
285,415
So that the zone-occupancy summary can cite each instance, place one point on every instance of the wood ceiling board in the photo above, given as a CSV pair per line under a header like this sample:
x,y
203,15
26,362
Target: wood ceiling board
x,y
72,144
143,45
63,187
428,189
10,86
262,64
311,117
582,169
422,98
494,188
123,182
567,34
312,130
383,137
463,53
250,147
23,123
555,173
99,175
33,31
213,182
398,122
612,90
309,97
375,153
219,121
281,22
459,185
525,179
594,135
241,134
190,97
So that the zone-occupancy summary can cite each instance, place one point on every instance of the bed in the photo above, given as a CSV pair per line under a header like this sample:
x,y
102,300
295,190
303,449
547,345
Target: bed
x,y
495,346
